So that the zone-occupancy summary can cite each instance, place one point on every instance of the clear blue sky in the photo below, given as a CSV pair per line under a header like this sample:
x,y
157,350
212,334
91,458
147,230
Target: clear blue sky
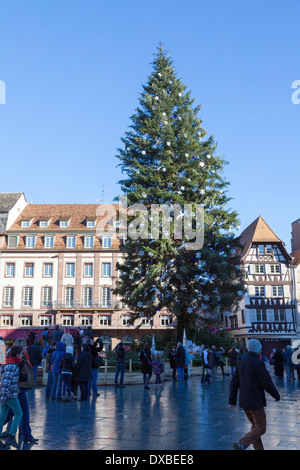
x,y
74,71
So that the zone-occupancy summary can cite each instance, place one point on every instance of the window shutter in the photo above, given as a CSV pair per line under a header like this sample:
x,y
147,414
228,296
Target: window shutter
x,y
289,315
270,315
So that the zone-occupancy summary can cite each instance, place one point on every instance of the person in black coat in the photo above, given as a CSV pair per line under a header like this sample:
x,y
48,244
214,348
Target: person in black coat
x,y
95,349
252,380
83,369
180,361
35,353
172,360
232,356
145,357
278,363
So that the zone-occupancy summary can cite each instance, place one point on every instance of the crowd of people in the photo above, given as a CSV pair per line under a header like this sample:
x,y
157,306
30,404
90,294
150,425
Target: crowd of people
x,y
72,363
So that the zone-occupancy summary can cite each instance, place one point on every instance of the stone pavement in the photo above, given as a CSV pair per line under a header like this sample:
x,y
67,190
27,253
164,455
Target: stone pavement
x,y
178,416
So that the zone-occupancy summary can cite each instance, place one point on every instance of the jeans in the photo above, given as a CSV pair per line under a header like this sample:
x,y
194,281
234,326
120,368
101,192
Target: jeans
x,y
34,368
232,370
157,379
66,382
146,378
15,406
23,400
180,371
93,382
49,384
205,377
120,369
290,372
56,385
259,424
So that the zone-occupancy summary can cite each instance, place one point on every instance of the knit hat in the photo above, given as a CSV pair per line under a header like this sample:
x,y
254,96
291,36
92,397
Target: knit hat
x,y
69,349
254,345
67,330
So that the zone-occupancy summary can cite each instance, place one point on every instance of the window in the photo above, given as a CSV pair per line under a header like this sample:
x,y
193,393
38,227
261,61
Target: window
x,y
269,249
86,320
259,269
48,269
71,241
26,320
47,297
277,291
12,241
104,320
146,321
126,320
106,242
261,315
259,291
49,241
87,296
7,320
90,223
166,320
88,269
68,320
88,242
43,223
64,223
10,270
8,297
70,269
27,298
28,270
279,315
30,241
106,301
25,223
261,249
46,320
69,296
275,268
106,269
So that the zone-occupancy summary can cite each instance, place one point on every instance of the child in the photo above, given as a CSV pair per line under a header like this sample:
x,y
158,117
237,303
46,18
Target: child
x,y
158,369
9,394
67,366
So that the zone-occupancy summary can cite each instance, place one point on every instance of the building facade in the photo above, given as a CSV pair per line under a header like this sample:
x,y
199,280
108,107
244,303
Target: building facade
x,y
268,311
58,267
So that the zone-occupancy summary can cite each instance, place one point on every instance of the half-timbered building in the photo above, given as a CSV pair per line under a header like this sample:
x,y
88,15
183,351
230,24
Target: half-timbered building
x,y
267,311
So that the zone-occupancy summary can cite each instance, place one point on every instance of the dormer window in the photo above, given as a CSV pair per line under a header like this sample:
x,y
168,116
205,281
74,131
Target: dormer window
x,y
91,223
25,223
44,223
64,223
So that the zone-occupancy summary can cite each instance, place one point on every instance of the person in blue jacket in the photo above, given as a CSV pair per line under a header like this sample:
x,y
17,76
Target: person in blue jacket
x,y
56,371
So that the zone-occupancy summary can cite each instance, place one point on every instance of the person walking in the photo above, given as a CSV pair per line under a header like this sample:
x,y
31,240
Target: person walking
x,y
205,366
120,368
56,358
220,362
180,361
278,364
35,357
67,365
289,365
26,383
10,375
82,374
145,358
213,362
158,368
252,380
77,341
172,360
96,347
49,352
232,355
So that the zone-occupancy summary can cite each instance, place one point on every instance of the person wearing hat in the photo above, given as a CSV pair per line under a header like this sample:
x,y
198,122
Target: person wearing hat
x,y
252,380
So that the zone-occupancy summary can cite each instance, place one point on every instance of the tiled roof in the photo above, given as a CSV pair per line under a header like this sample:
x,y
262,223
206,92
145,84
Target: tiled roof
x,y
257,232
296,256
8,200
75,213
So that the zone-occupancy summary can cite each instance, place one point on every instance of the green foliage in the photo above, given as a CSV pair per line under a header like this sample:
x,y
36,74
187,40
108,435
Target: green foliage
x,y
170,161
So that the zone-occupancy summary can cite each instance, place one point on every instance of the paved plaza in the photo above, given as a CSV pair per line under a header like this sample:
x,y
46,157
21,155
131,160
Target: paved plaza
x,y
178,416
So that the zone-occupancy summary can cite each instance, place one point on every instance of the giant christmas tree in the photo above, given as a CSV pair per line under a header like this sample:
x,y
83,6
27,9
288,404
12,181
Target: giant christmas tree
x,y
171,163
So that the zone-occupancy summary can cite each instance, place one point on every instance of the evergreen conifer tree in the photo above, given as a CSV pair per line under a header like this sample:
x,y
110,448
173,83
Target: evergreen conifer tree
x,y
169,161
